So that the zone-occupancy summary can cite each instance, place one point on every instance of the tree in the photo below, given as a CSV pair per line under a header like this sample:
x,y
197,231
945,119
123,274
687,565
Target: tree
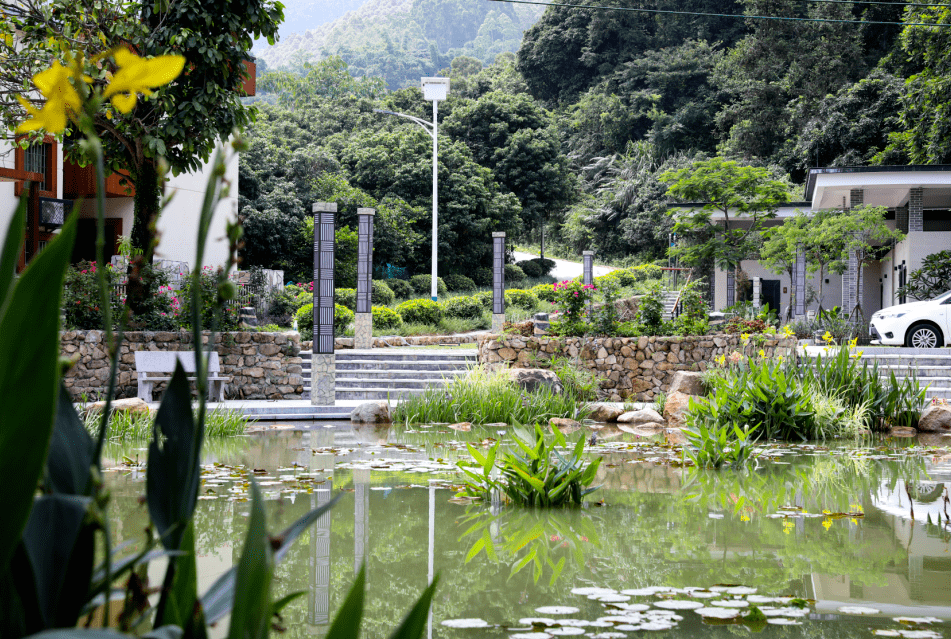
x,y
862,231
328,78
821,252
744,195
780,250
180,124
932,279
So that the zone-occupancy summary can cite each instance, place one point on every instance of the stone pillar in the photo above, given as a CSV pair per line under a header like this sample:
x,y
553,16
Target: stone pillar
x,y
363,320
323,368
588,260
319,604
916,216
757,292
731,287
498,281
901,218
799,310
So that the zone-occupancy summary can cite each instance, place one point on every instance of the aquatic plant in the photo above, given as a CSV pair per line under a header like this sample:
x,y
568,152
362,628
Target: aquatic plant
x,y
219,422
481,397
534,474
717,433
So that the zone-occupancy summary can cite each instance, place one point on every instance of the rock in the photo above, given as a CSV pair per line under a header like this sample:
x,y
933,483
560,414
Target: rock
x,y
641,417
533,379
675,409
936,439
675,437
465,427
936,419
564,425
902,431
687,383
605,412
372,413
131,405
496,425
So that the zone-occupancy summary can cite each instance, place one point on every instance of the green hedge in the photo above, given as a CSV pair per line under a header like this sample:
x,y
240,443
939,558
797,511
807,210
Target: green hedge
x,y
422,285
459,283
346,297
420,311
514,274
401,288
384,318
530,268
463,308
544,292
521,299
382,294
343,317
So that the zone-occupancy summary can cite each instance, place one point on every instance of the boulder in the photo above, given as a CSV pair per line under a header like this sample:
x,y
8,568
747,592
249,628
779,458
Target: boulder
x,y
687,383
675,409
902,431
605,412
675,437
564,425
533,379
130,405
644,417
464,427
936,419
372,413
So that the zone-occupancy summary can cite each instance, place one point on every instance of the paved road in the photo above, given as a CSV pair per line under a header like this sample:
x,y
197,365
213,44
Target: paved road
x,y
565,270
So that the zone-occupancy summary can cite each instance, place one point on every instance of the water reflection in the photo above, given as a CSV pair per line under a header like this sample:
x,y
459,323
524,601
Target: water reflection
x,y
660,526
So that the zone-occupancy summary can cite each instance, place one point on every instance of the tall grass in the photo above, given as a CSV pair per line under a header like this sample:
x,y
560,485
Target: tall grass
x,y
484,398
123,426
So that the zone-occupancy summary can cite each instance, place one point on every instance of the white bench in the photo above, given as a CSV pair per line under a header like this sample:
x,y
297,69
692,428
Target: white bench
x,y
163,362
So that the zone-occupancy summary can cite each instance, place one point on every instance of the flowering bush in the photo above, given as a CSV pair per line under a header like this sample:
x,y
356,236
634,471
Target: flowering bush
x,y
572,299
81,297
225,320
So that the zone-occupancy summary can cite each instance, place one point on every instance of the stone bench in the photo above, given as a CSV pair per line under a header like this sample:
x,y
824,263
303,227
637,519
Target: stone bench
x,y
163,363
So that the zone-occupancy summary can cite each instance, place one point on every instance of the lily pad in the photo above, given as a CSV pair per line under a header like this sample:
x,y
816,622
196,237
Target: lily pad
x,y
920,634
465,623
588,591
679,604
530,635
631,607
609,598
783,621
741,590
557,610
718,613
730,603
537,621
566,630
917,620
858,610
784,612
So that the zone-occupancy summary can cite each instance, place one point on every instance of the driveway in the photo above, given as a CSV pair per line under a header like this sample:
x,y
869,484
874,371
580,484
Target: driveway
x,y
565,270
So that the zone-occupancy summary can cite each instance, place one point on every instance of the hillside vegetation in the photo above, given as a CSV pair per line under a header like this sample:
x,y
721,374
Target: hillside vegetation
x,y
571,134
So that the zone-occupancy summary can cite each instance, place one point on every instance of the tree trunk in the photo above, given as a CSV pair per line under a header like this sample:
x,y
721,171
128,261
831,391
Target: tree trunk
x,y
146,209
542,251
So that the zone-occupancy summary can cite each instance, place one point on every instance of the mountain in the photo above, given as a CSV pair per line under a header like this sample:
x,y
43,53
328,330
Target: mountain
x,y
401,40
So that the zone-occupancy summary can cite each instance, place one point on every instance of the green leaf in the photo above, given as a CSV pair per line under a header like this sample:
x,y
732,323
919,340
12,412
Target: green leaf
x,y
281,603
414,624
537,484
29,376
71,450
173,474
476,548
346,625
11,251
218,599
179,607
165,632
251,613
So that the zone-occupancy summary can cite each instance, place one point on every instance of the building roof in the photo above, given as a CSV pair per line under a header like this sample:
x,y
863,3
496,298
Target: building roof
x,y
901,175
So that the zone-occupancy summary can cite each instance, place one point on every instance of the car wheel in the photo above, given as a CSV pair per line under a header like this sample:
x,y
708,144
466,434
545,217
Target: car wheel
x,y
923,336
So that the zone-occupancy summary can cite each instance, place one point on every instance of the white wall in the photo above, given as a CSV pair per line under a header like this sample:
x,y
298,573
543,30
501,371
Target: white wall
x,y
831,292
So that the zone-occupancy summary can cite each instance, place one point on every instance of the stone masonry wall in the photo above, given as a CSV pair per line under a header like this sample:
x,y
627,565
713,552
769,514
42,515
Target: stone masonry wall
x,y
261,365
634,368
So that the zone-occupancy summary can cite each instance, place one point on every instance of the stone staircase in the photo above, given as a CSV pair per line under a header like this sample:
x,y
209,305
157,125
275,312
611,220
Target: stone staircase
x,y
670,299
391,373
933,366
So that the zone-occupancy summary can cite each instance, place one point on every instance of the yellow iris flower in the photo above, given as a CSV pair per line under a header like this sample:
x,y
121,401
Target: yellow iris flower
x,y
138,75
60,96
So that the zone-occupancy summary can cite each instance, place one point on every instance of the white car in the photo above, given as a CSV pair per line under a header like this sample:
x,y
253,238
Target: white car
x,y
917,324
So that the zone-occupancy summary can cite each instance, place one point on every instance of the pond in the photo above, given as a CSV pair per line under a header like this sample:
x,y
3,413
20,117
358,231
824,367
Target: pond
x,y
860,533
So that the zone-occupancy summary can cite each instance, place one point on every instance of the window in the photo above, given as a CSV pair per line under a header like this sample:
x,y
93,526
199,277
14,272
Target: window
x,y
39,158
936,220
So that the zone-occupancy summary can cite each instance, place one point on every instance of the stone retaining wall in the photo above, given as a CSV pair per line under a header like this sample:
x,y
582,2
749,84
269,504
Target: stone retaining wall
x,y
261,365
343,343
630,367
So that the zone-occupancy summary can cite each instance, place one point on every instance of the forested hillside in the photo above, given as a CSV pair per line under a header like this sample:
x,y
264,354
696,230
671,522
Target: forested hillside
x,y
572,133
402,40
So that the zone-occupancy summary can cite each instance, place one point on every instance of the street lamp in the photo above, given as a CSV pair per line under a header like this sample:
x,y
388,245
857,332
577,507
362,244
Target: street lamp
x,y
434,89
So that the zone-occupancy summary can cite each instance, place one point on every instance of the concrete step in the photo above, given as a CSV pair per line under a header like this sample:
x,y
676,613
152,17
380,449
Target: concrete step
x,y
415,375
924,371
369,394
416,367
399,354
387,383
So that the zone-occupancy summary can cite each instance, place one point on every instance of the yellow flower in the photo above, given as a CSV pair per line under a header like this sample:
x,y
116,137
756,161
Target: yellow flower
x,y
60,96
138,75
828,337
827,524
787,332
762,353
854,521
744,518
745,337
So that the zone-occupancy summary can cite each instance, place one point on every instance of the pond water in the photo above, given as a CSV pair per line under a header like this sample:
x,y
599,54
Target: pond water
x,y
859,526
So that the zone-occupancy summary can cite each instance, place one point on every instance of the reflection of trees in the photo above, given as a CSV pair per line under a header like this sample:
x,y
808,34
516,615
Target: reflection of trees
x,y
538,540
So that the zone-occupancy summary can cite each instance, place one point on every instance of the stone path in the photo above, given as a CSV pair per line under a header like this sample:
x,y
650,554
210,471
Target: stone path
x,y
565,270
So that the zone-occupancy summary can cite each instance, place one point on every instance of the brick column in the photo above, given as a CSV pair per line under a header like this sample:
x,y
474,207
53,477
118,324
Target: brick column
x,y
916,217
323,368
363,320
853,272
498,281
901,218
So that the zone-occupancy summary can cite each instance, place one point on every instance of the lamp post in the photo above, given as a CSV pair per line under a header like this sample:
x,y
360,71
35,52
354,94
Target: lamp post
x,y
434,90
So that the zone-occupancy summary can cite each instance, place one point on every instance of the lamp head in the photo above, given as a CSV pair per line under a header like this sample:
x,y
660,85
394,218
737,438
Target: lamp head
x,y
435,88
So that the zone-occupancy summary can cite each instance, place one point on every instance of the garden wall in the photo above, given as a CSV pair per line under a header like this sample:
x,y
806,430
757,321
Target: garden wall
x,y
261,365
630,367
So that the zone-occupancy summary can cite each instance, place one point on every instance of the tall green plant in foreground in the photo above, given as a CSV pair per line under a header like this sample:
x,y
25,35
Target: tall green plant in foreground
x,y
56,515
535,474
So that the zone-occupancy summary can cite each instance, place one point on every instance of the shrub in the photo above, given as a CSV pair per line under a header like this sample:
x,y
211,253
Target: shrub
x,y
530,268
381,295
422,285
463,308
546,265
544,292
420,311
625,277
513,274
346,297
484,298
482,276
572,299
386,318
650,311
282,303
459,283
225,319
343,317
646,272
400,288
81,297
521,299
